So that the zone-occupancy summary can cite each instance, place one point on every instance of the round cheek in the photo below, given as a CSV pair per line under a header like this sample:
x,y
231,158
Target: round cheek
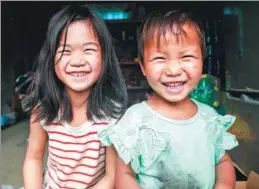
x,y
154,72
96,65
58,63
98,70
193,70
57,71
60,70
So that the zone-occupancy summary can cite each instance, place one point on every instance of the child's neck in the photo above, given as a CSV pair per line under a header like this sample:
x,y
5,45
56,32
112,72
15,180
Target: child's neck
x,y
78,103
183,110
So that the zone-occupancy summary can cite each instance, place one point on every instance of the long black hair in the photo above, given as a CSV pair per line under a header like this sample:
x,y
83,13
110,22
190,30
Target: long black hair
x,y
108,95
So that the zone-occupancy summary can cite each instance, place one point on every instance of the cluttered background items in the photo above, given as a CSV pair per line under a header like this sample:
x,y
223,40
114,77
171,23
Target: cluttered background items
x,y
251,183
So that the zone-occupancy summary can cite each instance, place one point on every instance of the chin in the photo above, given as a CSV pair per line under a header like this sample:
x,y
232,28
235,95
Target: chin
x,y
174,98
79,88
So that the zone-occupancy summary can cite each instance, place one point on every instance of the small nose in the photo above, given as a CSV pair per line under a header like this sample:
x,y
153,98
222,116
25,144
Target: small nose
x,y
77,60
173,69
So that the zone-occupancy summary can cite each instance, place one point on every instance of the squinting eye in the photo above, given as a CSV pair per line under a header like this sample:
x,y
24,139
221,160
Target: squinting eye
x,y
90,50
64,51
188,56
158,58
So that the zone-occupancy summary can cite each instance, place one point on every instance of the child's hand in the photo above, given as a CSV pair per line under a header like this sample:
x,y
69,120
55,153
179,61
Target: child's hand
x,y
225,174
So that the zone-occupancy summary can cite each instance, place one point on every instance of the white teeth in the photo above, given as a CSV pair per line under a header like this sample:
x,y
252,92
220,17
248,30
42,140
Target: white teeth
x,y
174,85
77,74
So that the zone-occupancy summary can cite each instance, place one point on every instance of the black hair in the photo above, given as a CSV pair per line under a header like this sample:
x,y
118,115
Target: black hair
x,y
108,95
173,21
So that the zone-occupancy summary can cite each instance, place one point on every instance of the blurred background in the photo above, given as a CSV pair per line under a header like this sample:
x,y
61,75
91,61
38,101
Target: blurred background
x,y
230,81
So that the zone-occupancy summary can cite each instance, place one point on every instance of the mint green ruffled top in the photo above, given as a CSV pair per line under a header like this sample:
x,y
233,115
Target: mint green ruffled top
x,y
171,154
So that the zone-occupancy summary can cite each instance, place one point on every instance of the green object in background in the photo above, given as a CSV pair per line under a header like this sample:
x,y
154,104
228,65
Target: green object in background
x,y
112,14
207,91
222,109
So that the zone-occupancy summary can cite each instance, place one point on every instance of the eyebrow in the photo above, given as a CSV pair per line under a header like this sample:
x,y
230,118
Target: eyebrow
x,y
194,48
189,49
85,44
90,43
62,45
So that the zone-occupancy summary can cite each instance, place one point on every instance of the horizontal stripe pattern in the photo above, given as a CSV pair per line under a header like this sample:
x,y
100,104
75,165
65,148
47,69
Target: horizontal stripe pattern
x,y
75,159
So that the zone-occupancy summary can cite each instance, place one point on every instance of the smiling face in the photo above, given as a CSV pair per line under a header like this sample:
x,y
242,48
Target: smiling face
x,y
78,64
173,67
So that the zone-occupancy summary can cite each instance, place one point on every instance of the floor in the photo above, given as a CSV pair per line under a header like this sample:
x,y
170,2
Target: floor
x,y
13,146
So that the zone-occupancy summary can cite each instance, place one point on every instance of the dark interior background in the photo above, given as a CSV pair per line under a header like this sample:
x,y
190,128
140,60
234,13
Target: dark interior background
x,y
24,24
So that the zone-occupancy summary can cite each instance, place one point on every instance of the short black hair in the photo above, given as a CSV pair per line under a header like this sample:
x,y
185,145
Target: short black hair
x,y
160,22
108,96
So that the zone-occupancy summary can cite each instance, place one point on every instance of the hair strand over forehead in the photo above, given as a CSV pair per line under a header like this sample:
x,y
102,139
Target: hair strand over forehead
x,y
108,95
159,24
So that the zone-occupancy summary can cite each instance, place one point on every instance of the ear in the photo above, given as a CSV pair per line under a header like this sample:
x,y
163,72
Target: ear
x,y
142,68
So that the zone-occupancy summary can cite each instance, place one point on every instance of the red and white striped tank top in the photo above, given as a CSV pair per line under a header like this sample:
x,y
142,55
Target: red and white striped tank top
x,y
76,158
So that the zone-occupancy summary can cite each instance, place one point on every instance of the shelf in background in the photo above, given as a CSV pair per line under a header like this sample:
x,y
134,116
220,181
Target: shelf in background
x,y
248,90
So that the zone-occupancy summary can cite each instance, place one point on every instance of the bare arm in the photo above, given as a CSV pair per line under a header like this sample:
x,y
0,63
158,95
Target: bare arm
x,y
225,173
125,177
33,163
107,182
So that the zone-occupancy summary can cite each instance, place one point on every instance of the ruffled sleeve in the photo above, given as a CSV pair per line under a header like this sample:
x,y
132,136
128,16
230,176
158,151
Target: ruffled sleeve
x,y
222,140
217,126
124,135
